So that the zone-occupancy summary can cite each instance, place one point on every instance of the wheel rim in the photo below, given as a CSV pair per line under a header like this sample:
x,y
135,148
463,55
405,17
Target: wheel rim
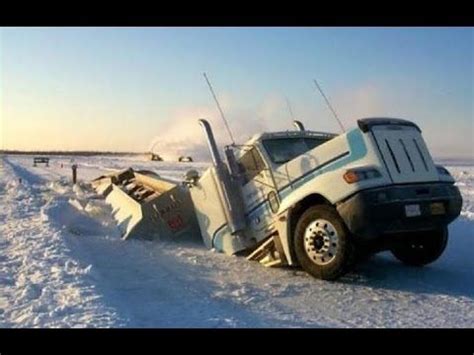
x,y
320,241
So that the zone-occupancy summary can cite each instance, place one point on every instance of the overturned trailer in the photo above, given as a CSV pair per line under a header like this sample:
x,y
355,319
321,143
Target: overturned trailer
x,y
313,199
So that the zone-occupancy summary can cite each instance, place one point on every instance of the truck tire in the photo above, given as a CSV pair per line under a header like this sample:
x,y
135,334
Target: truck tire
x,y
322,243
422,248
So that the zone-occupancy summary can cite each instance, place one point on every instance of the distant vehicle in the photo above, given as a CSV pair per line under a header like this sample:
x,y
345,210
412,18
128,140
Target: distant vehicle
x,y
184,159
314,199
40,160
155,157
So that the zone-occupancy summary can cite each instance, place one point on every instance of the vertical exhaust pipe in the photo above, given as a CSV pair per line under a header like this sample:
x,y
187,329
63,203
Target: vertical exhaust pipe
x,y
232,200
298,125
216,159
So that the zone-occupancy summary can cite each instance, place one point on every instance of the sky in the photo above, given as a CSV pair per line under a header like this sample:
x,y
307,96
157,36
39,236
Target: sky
x,y
130,89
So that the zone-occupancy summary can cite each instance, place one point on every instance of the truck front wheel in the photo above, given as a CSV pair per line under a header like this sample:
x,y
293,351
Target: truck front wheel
x,y
422,248
322,243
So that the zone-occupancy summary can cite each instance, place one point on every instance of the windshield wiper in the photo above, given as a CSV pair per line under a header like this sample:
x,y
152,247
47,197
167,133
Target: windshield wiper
x,y
281,161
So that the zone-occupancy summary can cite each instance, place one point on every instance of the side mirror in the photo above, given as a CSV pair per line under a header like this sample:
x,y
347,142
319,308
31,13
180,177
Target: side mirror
x,y
191,177
298,125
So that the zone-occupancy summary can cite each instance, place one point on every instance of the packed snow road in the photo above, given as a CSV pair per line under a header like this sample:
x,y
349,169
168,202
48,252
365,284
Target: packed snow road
x,y
63,264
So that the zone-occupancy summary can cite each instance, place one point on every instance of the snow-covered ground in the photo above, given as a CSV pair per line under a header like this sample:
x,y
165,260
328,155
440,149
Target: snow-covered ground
x,y
63,264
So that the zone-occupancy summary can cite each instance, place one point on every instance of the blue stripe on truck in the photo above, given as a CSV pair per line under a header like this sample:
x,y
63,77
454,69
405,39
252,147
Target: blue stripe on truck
x,y
357,150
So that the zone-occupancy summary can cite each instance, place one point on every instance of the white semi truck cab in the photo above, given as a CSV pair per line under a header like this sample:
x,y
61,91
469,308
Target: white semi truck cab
x,y
321,200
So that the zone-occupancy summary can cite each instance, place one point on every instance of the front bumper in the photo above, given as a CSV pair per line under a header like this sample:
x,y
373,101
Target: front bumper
x,y
373,213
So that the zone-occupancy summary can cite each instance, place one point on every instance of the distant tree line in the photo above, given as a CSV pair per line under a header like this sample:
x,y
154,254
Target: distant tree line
x,y
68,152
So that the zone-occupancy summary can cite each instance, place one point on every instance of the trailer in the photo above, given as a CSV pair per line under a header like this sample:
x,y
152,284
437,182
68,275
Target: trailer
x,y
148,206
302,198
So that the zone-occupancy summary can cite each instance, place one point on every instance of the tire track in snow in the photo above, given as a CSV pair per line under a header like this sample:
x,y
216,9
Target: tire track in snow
x,y
41,284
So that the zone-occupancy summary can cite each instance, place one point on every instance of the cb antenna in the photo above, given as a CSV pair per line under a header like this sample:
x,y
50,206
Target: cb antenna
x,y
329,105
219,108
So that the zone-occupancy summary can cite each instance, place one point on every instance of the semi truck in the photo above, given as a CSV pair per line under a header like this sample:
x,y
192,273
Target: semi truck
x,y
317,200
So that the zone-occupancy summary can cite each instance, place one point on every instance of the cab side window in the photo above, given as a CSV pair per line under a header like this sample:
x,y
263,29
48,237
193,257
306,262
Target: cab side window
x,y
251,164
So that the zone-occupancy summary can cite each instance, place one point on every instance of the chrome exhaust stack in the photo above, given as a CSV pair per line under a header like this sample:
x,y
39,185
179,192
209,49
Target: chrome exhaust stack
x,y
216,159
228,181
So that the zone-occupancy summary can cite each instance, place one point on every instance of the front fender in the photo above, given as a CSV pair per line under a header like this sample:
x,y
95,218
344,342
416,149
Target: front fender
x,y
291,196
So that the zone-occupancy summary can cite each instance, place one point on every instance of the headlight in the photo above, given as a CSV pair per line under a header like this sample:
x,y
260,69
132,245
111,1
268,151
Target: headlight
x,y
442,170
355,175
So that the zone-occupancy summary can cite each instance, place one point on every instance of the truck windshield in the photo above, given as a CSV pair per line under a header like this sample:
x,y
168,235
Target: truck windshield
x,y
282,150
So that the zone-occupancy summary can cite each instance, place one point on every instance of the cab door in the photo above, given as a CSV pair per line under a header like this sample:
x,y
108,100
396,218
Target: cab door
x,y
258,190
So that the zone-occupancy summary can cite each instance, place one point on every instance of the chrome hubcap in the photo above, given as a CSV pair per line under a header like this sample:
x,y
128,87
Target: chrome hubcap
x,y
321,241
